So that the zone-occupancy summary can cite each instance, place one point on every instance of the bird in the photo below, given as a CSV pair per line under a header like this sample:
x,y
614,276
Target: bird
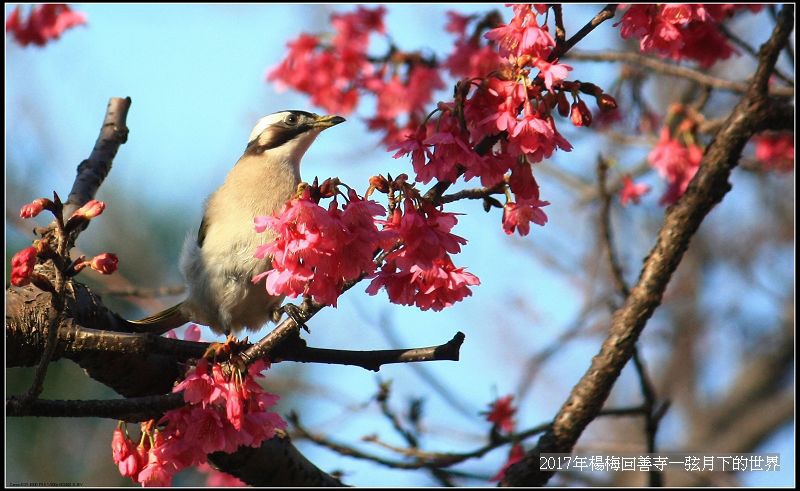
x,y
217,261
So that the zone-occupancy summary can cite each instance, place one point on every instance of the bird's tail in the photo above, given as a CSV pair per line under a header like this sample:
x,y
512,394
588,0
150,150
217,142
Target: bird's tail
x,y
161,322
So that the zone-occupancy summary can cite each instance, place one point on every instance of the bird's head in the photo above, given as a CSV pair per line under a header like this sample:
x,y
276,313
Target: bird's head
x,y
288,134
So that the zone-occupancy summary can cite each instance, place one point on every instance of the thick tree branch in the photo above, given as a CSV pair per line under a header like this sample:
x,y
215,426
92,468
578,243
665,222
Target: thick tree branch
x,y
132,409
276,463
373,360
754,112
93,171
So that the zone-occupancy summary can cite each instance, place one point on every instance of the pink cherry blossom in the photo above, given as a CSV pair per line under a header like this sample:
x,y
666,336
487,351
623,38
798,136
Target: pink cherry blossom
x,y
426,235
775,151
198,385
222,413
155,472
469,58
437,287
631,192
501,413
676,163
124,454
522,36
415,145
450,148
519,215
219,479
522,182
192,333
317,250
680,31
552,73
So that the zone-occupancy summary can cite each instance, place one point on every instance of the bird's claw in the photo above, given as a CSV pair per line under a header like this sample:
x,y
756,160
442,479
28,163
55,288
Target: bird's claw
x,y
228,349
296,314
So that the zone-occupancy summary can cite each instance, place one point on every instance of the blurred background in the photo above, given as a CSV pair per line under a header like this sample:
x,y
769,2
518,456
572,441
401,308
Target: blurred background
x,y
720,348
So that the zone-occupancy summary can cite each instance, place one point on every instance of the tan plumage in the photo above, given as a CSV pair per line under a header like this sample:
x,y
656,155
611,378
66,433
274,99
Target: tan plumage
x,y
217,261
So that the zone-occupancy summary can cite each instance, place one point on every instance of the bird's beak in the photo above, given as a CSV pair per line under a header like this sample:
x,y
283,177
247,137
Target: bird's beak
x,y
323,122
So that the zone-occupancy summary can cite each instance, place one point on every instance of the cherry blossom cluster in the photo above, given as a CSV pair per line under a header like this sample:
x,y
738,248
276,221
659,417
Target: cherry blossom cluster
x,y
23,262
222,413
45,23
682,31
335,73
677,154
317,250
501,415
418,270
500,121
470,57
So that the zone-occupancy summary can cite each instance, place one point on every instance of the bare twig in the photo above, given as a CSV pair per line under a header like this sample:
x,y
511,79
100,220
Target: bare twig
x,y
477,193
607,233
561,34
735,39
673,70
408,435
421,459
602,16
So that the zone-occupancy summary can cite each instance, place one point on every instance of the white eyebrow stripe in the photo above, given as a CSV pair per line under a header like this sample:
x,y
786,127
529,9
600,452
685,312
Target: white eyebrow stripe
x,y
265,122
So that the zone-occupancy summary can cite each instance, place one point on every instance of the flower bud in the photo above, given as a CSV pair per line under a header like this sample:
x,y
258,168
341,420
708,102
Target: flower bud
x,y
586,114
22,266
35,207
563,104
606,103
105,263
328,187
575,115
90,210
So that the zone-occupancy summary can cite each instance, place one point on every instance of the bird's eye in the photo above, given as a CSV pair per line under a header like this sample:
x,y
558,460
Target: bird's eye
x,y
291,120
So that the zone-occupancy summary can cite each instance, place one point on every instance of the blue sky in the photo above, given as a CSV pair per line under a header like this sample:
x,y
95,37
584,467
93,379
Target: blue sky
x,y
196,77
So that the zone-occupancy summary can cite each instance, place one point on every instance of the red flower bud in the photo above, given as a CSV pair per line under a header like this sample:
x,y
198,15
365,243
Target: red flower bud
x,y
586,114
35,207
22,266
563,104
575,115
606,103
90,210
105,263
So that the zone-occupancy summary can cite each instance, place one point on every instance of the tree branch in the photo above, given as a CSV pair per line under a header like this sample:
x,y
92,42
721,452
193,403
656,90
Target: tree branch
x,y
132,409
673,70
373,360
602,16
93,171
